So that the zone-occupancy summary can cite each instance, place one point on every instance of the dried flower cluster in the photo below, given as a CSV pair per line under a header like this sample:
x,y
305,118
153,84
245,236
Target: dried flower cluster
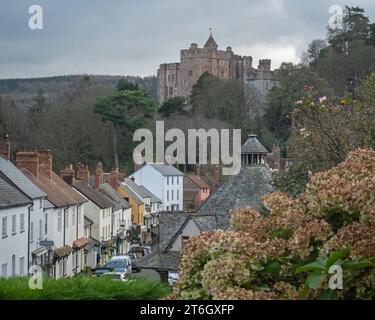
x,y
258,258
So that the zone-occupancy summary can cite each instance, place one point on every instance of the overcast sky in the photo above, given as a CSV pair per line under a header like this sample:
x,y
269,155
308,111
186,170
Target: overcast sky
x,y
132,37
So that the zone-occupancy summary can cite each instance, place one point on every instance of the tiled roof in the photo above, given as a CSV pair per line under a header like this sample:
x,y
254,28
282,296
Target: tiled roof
x,y
136,188
59,193
205,223
94,195
240,191
169,226
154,199
166,261
198,181
19,179
253,146
79,243
132,194
10,196
166,169
120,203
62,251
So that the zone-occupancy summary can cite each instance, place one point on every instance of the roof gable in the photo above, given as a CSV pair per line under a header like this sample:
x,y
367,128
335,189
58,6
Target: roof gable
x,y
59,193
10,196
20,180
94,195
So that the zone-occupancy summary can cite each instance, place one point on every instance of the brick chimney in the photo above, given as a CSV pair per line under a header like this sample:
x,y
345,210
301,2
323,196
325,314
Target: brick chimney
x,y
217,176
5,150
45,162
68,175
28,160
83,173
198,170
114,179
99,173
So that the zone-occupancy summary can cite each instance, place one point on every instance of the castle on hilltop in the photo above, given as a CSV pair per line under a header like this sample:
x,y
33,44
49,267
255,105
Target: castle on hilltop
x,y
178,79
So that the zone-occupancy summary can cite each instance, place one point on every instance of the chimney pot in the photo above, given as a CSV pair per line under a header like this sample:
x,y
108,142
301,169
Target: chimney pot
x,y
45,162
99,173
28,160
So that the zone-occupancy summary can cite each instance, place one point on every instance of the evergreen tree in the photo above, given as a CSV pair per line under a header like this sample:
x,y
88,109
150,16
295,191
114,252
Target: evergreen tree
x,y
127,110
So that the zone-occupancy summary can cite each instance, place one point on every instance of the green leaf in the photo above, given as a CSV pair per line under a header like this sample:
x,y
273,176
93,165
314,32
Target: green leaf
x,y
273,268
314,278
305,291
351,265
316,265
336,256
326,295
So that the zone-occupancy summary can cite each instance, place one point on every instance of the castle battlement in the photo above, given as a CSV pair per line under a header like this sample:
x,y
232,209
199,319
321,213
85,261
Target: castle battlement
x,y
178,79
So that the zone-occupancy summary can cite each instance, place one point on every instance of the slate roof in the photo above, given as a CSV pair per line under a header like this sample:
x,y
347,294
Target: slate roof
x,y
165,261
154,199
94,195
166,169
198,181
240,191
10,196
58,192
206,223
136,188
20,180
253,146
131,193
111,193
169,225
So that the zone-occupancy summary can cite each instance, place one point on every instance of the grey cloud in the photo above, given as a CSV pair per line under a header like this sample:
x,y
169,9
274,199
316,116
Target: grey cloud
x,y
134,37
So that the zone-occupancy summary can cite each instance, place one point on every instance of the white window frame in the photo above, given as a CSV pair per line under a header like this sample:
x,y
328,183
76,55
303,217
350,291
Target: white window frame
x,y
14,224
4,227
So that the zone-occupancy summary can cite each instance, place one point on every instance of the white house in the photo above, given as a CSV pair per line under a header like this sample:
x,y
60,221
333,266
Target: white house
x,y
121,218
14,207
31,220
164,181
99,209
63,224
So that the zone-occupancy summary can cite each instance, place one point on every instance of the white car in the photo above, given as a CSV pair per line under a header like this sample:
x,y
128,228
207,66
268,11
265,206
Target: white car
x,y
119,276
126,259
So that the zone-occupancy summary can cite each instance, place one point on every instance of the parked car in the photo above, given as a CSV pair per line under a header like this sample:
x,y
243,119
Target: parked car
x,y
124,258
135,263
140,251
118,266
118,276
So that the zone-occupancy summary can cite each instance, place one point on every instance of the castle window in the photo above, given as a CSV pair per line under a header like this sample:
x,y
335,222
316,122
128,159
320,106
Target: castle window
x,y
190,73
171,91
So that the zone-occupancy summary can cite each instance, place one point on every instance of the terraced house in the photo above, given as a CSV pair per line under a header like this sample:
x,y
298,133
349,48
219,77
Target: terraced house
x,y
63,213
23,221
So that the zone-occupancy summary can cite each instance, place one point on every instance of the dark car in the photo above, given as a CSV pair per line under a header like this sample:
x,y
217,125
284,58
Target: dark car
x,y
118,266
135,263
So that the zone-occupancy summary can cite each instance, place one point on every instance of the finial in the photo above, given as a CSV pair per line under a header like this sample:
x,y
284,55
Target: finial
x,y
210,31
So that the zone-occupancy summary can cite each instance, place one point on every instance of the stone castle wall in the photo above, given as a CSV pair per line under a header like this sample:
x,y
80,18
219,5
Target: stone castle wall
x,y
178,79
